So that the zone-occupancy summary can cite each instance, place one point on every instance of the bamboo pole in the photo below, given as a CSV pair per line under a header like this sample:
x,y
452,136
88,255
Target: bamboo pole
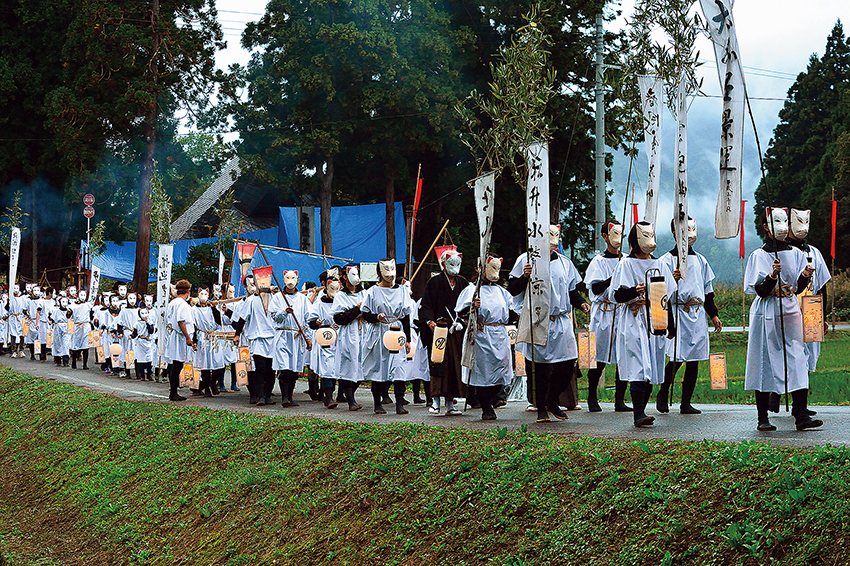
x,y
429,251
235,253
409,263
283,293
301,252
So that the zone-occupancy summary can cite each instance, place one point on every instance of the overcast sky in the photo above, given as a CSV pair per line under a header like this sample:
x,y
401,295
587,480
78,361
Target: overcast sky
x,y
776,37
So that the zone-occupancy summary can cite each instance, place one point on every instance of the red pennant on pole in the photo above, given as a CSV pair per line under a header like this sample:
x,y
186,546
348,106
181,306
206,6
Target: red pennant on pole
x,y
834,217
634,213
743,250
415,207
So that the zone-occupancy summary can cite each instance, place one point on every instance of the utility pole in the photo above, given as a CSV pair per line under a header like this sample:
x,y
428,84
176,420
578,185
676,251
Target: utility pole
x,y
600,140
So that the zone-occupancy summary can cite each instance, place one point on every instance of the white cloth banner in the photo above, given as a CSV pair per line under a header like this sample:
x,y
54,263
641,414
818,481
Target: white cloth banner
x,y
485,191
534,319
651,100
163,292
94,283
718,15
221,270
680,181
14,255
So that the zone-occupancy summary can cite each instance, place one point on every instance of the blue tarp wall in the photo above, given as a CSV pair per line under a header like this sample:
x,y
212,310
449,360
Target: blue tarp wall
x,y
119,258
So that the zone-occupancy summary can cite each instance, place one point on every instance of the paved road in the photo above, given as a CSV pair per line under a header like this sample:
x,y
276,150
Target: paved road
x,y
733,423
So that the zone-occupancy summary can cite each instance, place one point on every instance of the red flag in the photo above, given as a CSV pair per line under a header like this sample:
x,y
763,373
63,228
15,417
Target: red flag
x,y
415,207
743,251
634,213
834,217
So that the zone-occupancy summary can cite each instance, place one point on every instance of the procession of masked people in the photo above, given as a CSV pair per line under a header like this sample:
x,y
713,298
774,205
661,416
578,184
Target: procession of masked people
x,y
648,314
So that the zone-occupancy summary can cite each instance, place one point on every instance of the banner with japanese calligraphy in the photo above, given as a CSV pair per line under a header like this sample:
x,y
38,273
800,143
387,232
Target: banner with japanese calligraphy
x,y
680,180
727,215
163,291
534,319
221,260
94,283
485,190
651,94
14,255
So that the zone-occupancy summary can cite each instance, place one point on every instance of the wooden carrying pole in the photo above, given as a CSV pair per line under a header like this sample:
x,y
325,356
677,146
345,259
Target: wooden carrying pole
x,y
429,251
283,293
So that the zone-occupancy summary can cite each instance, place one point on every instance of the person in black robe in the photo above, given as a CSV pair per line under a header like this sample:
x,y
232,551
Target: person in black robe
x,y
437,307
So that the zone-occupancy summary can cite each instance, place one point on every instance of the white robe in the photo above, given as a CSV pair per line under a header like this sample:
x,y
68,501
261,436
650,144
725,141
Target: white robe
x,y
231,354
290,347
258,331
4,322
16,315
81,313
691,341
209,355
349,338
379,364
493,362
144,348
176,350
324,358
640,356
61,338
765,357
561,344
819,280
603,315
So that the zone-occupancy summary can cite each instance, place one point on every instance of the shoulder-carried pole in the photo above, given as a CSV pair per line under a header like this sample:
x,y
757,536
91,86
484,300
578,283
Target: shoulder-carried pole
x,y
429,251
283,293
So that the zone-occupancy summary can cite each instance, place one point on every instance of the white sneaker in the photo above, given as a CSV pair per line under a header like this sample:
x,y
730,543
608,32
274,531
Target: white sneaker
x,y
434,409
531,409
453,411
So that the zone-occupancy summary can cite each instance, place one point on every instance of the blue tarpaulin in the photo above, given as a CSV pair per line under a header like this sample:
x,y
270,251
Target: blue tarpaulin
x,y
357,232
308,266
119,258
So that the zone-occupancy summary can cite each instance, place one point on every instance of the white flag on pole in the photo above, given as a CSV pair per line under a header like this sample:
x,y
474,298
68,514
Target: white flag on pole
x,y
680,197
718,15
94,283
14,255
485,191
651,97
220,268
163,291
534,319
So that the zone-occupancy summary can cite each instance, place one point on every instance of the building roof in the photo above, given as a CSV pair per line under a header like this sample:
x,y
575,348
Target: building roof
x,y
180,228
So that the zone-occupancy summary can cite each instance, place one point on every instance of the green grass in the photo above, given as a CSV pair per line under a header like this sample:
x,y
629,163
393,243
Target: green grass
x,y
830,385
92,479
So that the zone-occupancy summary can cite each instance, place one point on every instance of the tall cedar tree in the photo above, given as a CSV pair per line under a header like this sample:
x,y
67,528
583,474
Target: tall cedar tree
x,y
804,160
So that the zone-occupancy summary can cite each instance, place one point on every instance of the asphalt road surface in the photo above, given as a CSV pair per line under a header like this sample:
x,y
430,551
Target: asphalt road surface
x,y
730,423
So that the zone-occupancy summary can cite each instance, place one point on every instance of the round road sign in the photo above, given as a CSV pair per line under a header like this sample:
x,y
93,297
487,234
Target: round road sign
x,y
88,212
88,199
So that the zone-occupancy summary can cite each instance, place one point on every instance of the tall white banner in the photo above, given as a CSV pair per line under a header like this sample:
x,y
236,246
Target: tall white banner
x,y
485,190
680,180
534,319
163,291
14,255
727,215
651,100
94,283
220,268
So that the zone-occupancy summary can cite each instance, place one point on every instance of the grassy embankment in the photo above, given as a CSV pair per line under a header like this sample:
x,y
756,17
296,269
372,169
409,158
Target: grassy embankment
x,y
91,479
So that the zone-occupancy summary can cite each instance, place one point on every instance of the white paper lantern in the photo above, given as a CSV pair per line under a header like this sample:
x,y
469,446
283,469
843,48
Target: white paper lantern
x,y
394,339
326,337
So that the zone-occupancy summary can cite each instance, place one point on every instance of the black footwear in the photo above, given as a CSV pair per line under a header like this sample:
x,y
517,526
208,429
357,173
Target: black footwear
x,y
313,390
85,367
765,426
207,392
215,390
811,413
542,416
773,403
488,417
328,399
269,401
808,422
417,400
556,410
379,409
644,421
689,410
176,398
622,408
385,400
261,402
499,403
340,396
593,406
400,410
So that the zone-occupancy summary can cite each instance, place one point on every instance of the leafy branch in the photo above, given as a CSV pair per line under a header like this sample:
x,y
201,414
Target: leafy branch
x,y
11,219
160,210
97,241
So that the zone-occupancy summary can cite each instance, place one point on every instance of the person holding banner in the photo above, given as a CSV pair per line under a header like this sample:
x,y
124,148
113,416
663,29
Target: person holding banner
x,y
493,367
436,308
552,365
346,313
179,345
694,299
386,308
640,346
604,312
775,365
81,314
15,322
288,309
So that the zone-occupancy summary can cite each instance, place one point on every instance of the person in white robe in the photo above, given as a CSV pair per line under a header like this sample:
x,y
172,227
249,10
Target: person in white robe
x,y
774,273
346,314
111,333
81,314
59,317
640,352
553,365
15,321
4,323
230,354
144,346
34,311
179,342
288,309
492,368
100,313
320,320
251,320
693,301
604,315
386,307
418,371
210,357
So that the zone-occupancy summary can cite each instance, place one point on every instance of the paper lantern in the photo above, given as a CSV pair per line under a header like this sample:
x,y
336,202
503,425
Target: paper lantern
x,y
25,327
438,344
326,337
189,377
246,254
71,326
115,353
129,359
586,340
50,338
717,370
99,355
519,364
812,306
245,357
263,277
656,287
512,333
394,339
37,345
241,374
